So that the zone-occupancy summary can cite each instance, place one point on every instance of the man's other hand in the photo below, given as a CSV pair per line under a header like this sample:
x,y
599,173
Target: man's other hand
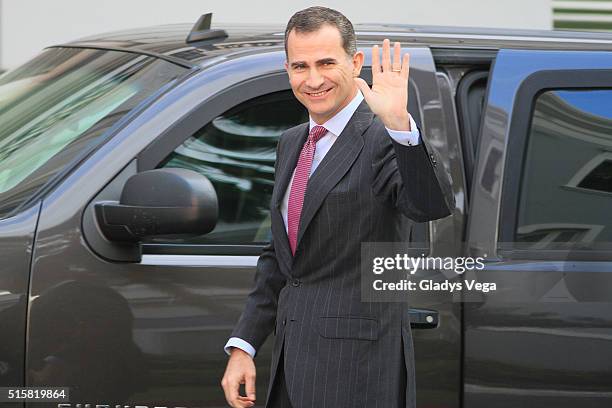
x,y
240,370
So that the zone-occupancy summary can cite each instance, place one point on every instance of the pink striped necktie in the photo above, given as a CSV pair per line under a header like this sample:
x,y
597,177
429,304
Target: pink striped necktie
x,y
300,181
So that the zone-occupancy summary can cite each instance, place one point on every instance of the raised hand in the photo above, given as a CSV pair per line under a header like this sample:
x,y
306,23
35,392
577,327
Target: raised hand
x,y
388,97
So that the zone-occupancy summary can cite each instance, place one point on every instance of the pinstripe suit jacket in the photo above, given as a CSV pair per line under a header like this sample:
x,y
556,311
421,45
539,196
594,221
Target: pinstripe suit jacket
x,y
340,352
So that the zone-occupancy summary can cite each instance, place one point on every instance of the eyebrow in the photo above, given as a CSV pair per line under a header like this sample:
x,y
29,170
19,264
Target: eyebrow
x,y
318,62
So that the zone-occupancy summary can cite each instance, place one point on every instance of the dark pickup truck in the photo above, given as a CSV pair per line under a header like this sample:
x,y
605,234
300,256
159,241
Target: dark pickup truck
x,y
136,170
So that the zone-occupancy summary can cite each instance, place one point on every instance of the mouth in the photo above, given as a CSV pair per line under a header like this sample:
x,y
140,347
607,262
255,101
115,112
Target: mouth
x,y
320,94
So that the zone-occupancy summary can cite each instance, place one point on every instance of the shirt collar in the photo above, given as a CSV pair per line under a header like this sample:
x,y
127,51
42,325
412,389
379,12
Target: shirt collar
x,y
337,123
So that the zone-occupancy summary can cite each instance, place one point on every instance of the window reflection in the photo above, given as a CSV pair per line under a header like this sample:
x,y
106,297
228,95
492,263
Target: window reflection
x,y
567,177
236,151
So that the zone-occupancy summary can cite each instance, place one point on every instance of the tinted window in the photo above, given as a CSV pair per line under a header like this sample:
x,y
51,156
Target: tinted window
x,y
59,106
236,151
566,190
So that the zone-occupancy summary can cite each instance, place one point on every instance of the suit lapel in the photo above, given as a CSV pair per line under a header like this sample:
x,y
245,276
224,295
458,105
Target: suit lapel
x,y
334,165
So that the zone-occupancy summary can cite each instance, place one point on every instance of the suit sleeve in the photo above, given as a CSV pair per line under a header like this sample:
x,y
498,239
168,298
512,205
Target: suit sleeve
x,y
407,178
259,316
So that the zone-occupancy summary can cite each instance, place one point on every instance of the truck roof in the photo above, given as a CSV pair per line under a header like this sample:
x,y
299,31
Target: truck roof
x,y
168,41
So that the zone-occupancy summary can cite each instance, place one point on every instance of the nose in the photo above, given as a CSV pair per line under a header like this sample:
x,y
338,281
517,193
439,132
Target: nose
x,y
315,79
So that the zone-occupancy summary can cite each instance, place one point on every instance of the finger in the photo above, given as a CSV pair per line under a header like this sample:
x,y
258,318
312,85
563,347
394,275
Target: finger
x,y
386,55
232,394
397,51
364,87
250,386
242,402
375,60
406,66
245,402
225,386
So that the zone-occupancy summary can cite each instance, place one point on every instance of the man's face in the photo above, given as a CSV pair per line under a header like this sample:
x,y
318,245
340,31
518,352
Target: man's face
x,y
320,72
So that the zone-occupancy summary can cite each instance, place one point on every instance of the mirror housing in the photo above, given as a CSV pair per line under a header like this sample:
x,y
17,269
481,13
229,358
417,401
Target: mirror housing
x,y
159,202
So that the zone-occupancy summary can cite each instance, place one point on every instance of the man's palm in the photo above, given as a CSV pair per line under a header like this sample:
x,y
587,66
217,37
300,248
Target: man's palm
x,y
388,97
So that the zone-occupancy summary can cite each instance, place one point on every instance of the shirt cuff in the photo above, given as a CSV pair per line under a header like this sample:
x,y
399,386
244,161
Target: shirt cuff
x,y
405,137
241,344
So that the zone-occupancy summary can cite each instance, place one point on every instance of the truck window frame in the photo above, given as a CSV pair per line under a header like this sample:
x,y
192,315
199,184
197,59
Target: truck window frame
x,y
233,96
520,124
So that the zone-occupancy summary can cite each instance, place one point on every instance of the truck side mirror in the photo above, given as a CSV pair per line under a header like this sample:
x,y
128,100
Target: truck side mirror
x,y
160,202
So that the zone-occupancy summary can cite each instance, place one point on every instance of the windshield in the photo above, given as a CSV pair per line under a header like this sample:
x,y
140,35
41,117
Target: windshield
x,y
59,106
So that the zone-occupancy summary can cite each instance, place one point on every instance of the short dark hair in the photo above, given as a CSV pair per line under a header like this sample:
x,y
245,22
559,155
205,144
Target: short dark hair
x,y
312,18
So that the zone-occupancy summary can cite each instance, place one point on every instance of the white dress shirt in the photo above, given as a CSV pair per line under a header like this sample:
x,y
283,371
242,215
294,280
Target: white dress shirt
x,y
334,127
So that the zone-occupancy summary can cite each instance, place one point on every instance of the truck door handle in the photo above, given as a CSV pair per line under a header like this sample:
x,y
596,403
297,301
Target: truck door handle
x,y
423,318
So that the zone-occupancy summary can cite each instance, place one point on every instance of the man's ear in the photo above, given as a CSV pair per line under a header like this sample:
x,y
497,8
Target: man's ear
x,y
286,67
358,60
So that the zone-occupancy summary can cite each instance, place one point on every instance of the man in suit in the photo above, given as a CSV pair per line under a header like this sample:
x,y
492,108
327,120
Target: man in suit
x,y
349,176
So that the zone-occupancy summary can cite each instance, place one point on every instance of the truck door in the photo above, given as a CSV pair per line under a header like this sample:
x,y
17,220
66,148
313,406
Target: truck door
x,y
234,147
540,215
